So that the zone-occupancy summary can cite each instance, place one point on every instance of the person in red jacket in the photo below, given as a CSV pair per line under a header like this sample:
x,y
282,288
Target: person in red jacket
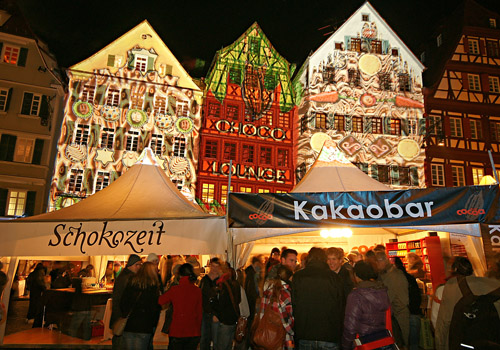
x,y
186,300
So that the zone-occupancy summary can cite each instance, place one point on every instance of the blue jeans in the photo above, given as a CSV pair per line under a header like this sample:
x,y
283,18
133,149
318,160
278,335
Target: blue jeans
x,y
225,336
414,332
136,341
317,345
208,331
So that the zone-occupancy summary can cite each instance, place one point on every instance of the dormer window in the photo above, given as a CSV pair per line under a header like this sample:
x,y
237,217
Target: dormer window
x,y
365,18
141,63
493,23
439,40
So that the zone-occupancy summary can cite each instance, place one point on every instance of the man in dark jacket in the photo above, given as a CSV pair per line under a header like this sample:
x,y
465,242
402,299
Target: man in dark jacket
x,y
208,293
318,304
134,263
335,260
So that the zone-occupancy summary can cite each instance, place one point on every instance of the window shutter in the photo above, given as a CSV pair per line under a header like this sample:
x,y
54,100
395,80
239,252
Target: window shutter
x,y
119,139
171,105
26,105
29,210
168,69
124,98
421,127
367,125
1,46
37,152
466,45
482,47
23,54
386,125
130,63
111,60
151,64
404,127
9,96
465,81
95,131
11,148
3,197
414,175
395,175
44,111
7,147
374,172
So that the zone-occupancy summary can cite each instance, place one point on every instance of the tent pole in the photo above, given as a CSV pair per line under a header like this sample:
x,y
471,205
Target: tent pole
x,y
230,253
6,292
493,166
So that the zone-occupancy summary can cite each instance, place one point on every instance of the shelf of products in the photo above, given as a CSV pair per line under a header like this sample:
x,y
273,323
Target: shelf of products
x,y
429,250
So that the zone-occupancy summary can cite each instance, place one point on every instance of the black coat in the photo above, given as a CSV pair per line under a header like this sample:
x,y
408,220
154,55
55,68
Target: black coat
x,y
142,304
318,303
118,289
251,288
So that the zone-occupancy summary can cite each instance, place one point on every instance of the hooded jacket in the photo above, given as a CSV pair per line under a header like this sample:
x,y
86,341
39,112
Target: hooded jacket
x,y
365,311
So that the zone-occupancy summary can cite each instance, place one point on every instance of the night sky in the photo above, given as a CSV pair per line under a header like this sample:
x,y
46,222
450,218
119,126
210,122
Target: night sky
x,y
76,29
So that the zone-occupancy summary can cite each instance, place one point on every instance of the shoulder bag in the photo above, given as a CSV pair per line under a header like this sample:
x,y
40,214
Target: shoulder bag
x,y
242,323
269,332
119,325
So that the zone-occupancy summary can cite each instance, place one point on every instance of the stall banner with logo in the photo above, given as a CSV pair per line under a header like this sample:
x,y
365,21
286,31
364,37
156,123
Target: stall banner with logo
x,y
419,207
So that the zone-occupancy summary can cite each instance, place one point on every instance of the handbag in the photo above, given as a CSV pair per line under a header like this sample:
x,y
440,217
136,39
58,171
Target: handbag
x,y
242,323
119,325
169,313
269,332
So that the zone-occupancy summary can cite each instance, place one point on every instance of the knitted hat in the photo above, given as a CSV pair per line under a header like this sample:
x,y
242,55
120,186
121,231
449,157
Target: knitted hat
x,y
132,259
364,271
152,257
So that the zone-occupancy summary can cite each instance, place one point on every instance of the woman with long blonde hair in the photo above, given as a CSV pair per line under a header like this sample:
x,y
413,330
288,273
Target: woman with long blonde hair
x,y
140,303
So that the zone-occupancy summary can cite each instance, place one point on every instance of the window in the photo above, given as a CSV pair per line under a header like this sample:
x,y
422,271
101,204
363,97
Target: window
x,y
395,52
265,155
412,126
384,173
437,174
223,194
376,46
254,45
101,181
141,63
207,192
232,112
404,176
474,82
456,127
357,124
439,40
113,97
107,138
280,191
376,125
132,143
492,48
88,93
229,151
211,147
247,153
365,18
474,46
24,150
75,180
495,131
320,121
339,123
282,157
284,120
339,46
16,203
494,85
267,118
235,76
4,96
182,108
252,78
7,147
435,125
493,23
476,130
31,104
156,144
384,81
160,106
458,175
404,82
263,190
353,76
214,109
356,44
136,97
245,189
81,134
395,126
270,80
11,54
179,146
477,175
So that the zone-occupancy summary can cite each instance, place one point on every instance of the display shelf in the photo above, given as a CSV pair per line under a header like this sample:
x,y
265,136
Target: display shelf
x,y
428,249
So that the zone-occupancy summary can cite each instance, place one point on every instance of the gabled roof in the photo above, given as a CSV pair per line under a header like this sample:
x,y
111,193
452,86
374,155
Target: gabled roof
x,y
333,172
142,36
143,192
389,34
238,55
12,21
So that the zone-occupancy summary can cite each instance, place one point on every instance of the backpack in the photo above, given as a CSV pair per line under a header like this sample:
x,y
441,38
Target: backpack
x,y
475,320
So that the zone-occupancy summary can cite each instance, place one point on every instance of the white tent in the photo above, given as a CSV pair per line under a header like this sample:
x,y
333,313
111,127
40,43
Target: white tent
x,y
140,212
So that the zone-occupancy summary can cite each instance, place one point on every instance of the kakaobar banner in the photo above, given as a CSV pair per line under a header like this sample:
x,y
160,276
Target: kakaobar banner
x,y
421,207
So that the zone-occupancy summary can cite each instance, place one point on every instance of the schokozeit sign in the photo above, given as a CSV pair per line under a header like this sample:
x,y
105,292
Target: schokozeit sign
x,y
73,238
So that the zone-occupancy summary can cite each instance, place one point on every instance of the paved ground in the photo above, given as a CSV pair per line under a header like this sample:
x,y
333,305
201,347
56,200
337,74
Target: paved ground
x,y
16,317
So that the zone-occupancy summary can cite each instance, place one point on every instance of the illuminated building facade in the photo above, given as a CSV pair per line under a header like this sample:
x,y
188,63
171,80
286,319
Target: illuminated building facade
x,y
31,103
463,98
130,95
363,89
248,119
